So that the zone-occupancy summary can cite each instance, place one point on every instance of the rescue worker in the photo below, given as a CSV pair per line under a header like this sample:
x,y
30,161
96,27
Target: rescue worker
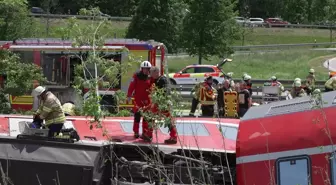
x,y
69,108
226,86
207,97
296,80
229,77
49,110
139,88
330,84
195,101
297,90
310,81
244,98
161,82
275,82
247,80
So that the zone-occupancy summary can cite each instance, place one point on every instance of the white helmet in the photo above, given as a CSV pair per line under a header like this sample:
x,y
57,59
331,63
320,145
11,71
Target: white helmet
x,y
297,84
297,79
145,64
38,91
230,74
312,71
273,78
247,77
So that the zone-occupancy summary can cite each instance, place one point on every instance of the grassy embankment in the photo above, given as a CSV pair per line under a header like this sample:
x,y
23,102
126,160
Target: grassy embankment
x,y
286,65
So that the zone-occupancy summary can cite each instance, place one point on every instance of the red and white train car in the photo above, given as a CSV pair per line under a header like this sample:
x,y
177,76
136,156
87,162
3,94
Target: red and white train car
x,y
195,134
288,143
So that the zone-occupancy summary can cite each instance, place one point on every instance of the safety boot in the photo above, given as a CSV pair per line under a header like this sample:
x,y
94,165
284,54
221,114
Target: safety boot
x,y
136,135
146,138
171,141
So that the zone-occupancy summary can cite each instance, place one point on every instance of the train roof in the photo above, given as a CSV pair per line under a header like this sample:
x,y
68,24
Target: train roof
x,y
205,134
135,44
289,106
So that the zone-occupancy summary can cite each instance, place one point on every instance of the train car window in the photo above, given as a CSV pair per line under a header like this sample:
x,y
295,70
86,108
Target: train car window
x,y
229,132
127,126
189,129
294,170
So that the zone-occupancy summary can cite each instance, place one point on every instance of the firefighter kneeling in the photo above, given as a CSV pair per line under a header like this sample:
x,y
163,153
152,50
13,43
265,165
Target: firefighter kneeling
x,y
208,96
160,82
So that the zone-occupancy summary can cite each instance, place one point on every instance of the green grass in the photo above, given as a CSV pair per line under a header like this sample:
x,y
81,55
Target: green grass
x,y
263,36
254,36
115,28
285,65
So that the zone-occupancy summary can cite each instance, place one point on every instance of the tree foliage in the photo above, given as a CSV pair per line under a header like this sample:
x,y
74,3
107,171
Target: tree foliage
x,y
159,20
296,11
19,78
14,20
209,29
95,65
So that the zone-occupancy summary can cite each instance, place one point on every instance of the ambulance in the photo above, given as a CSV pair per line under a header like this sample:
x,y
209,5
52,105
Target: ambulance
x,y
193,74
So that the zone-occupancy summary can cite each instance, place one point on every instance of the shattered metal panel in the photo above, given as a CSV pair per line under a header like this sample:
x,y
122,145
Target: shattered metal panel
x,y
288,106
48,154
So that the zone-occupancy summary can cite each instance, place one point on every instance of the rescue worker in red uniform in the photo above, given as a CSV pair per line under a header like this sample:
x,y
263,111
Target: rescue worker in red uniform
x,y
161,82
139,88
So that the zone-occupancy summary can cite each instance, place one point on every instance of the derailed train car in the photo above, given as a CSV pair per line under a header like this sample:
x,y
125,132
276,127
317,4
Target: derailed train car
x,y
288,143
205,154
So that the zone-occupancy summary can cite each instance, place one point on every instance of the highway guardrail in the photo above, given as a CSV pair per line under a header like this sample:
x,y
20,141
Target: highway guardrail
x,y
257,85
64,16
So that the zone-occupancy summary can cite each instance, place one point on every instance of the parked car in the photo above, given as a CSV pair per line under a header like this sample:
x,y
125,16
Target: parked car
x,y
256,22
241,20
274,22
37,10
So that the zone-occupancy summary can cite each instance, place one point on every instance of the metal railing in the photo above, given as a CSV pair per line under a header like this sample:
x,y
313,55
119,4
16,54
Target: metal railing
x,y
257,85
63,16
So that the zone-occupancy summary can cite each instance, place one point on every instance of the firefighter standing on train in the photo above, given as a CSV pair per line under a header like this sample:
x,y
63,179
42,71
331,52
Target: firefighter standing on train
x,y
50,110
330,85
139,88
160,82
207,97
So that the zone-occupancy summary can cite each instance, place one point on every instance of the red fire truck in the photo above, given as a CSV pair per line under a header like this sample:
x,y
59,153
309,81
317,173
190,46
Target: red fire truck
x,y
58,58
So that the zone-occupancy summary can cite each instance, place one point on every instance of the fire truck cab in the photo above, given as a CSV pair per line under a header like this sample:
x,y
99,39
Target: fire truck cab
x,y
58,58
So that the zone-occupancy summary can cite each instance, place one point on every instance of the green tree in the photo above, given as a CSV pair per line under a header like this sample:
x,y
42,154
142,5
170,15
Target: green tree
x,y
158,20
14,20
296,11
209,29
20,75
95,66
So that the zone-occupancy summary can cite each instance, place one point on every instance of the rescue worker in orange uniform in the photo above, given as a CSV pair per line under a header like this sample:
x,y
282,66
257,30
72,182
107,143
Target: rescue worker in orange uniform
x,y
208,96
139,88
161,82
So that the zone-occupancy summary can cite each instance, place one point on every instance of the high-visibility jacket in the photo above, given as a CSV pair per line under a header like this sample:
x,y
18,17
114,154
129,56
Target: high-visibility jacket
x,y
310,81
69,108
51,110
196,90
207,94
331,83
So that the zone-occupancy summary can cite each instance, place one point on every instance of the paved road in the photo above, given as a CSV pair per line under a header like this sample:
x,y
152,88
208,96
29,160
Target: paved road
x,y
330,64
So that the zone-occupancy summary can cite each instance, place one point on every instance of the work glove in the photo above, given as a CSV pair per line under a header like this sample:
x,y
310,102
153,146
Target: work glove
x,y
129,99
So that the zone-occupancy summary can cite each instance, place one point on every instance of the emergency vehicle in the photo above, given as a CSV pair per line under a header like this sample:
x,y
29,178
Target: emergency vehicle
x,y
57,59
288,143
193,74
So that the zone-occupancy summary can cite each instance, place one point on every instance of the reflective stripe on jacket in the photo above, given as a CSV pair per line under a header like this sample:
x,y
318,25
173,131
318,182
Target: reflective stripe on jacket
x,y
331,83
51,110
